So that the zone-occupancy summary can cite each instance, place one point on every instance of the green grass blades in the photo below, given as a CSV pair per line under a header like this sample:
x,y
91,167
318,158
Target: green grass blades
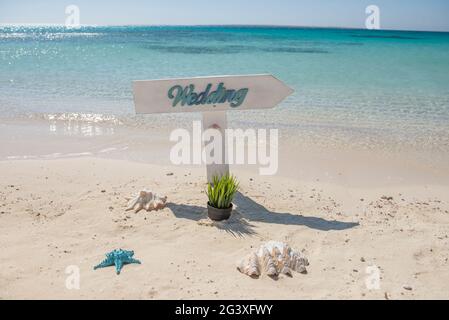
x,y
222,190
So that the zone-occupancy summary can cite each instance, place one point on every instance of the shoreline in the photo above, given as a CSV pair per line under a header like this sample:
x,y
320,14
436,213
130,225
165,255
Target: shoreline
x,y
303,155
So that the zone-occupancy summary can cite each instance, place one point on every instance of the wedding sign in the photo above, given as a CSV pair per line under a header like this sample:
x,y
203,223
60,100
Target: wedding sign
x,y
209,94
212,96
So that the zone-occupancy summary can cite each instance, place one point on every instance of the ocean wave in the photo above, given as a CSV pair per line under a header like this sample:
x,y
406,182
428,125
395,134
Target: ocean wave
x,y
47,36
396,37
229,49
95,124
79,117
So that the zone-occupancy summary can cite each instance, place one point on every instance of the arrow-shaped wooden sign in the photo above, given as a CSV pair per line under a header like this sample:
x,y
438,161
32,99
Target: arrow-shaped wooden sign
x,y
212,96
206,94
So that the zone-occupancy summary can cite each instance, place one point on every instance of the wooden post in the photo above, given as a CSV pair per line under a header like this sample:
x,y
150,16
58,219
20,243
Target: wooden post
x,y
218,121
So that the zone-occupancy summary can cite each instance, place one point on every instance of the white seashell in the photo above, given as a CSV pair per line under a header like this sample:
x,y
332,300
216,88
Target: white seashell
x,y
249,265
268,264
287,271
147,200
273,259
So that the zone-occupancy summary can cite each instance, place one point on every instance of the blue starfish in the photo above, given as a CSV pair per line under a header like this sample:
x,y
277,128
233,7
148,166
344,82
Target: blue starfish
x,y
118,258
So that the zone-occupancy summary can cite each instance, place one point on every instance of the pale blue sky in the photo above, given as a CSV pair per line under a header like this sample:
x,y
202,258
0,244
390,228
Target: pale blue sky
x,y
395,14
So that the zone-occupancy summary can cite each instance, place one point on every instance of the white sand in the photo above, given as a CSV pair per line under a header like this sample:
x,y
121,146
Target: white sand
x,y
54,214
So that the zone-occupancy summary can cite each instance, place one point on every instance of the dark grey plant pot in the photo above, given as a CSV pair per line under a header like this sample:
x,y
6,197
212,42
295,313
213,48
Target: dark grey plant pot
x,y
218,214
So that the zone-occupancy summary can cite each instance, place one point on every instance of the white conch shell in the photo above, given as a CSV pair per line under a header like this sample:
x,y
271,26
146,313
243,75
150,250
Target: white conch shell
x,y
249,265
273,258
147,200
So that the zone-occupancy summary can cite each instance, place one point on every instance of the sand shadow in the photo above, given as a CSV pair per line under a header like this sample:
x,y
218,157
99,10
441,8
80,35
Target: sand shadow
x,y
256,212
237,226
248,210
184,211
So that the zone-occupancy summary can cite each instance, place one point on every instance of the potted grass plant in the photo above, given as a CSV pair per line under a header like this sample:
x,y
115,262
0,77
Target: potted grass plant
x,y
221,193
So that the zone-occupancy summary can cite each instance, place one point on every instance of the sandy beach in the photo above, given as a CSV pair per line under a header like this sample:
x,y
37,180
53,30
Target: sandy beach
x,y
70,212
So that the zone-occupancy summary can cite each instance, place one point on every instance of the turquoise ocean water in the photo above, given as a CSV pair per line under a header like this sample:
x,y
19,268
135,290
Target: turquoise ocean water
x,y
350,82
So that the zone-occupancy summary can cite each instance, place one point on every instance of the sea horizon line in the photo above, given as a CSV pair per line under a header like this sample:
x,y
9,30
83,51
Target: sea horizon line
x,y
214,25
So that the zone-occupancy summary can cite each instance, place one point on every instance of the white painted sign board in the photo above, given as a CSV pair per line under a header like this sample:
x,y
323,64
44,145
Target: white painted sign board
x,y
212,96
